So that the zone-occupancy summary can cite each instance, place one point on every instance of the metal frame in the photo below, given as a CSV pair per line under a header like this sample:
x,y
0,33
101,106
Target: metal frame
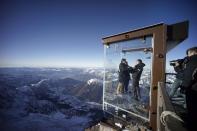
x,y
149,49
144,118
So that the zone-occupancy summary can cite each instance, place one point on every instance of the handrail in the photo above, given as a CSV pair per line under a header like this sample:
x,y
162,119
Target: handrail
x,y
164,104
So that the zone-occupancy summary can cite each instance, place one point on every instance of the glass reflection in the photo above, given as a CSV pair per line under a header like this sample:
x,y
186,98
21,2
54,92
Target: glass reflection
x,y
128,76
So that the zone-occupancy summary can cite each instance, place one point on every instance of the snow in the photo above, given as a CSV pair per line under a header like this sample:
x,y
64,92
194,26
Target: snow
x,y
94,104
29,113
39,83
93,81
99,72
43,103
53,122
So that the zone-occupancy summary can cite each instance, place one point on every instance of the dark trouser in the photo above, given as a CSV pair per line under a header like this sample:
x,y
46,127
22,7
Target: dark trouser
x,y
175,86
125,84
136,89
191,98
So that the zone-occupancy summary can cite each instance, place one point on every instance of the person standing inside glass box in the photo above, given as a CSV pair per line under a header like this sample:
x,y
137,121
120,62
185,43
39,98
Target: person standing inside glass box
x,y
136,74
124,75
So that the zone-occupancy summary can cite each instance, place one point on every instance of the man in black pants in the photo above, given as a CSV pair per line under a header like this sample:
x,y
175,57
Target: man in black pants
x,y
189,85
136,74
178,67
191,98
124,75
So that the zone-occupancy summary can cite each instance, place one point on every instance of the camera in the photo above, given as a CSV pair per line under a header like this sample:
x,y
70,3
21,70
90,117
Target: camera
x,y
173,62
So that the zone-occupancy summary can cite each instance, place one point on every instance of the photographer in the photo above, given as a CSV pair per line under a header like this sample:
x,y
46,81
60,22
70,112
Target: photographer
x,y
189,66
189,85
178,67
186,79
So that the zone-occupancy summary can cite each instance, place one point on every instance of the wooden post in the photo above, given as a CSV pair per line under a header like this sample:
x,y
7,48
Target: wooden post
x,y
158,70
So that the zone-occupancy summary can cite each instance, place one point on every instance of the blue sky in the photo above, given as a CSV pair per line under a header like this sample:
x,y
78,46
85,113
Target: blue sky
x,y
68,33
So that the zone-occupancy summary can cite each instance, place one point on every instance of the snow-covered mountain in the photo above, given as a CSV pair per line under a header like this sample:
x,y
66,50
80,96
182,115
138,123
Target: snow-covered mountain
x,y
31,99
57,98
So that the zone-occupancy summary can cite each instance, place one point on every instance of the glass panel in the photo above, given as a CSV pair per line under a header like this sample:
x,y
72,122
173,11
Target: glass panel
x,y
120,99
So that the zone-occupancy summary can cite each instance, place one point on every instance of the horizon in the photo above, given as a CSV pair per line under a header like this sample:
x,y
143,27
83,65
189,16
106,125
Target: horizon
x,y
62,34
170,68
50,67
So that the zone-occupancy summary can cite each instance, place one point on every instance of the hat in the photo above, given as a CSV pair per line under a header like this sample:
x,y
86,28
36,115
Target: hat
x,y
191,49
123,59
139,60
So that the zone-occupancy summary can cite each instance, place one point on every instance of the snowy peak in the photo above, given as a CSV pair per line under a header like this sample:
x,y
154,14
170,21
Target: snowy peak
x,y
94,81
39,83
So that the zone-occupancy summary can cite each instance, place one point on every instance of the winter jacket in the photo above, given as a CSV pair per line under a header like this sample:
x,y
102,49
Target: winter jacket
x,y
189,68
124,72
179,69
137,71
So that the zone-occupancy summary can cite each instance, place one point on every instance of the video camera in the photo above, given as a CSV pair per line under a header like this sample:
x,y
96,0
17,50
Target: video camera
x,y
173,62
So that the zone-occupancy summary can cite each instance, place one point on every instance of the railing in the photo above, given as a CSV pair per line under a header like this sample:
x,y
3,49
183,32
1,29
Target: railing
x,y
164,104
169,74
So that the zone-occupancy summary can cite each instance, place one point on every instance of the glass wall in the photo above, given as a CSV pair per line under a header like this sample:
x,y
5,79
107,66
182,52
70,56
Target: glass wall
x,y
127,78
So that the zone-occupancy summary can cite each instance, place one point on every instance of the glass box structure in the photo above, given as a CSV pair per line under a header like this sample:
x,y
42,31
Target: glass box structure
x,y
125,101
150,45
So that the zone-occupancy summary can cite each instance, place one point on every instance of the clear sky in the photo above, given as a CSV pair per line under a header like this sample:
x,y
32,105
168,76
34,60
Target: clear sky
x,y
68,32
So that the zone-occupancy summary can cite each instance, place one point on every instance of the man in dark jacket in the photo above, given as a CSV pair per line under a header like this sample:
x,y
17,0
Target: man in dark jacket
x,y
189,84
189,66
124,75
178,67
136,74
